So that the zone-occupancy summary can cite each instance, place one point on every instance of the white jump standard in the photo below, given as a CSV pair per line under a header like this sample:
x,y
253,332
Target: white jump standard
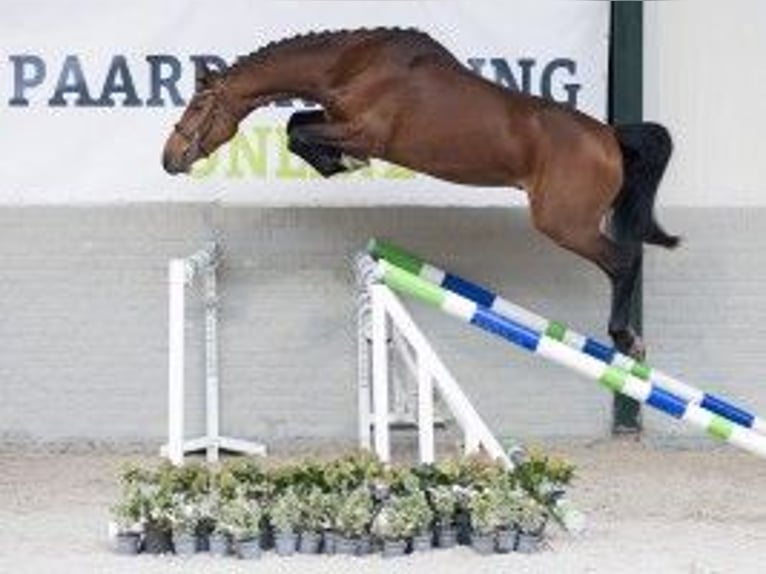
x,y
182,273
611,377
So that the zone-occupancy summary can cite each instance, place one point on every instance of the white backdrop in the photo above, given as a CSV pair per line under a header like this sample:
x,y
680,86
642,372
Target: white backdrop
x,y
704,77
82,123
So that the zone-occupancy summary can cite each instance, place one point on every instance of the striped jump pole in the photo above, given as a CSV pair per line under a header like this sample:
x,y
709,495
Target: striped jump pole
x,y
555,330
534,341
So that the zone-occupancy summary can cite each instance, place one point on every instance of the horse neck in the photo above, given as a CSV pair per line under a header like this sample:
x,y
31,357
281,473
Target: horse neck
x,y
280,75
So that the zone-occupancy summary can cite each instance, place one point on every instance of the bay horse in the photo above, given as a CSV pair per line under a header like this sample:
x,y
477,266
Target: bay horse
x,y
399,95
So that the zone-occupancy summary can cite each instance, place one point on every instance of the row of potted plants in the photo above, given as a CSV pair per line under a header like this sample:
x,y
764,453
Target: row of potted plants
x,y
351,505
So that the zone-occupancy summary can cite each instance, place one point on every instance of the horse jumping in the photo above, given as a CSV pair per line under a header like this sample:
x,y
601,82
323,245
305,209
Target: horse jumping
x,y
400,96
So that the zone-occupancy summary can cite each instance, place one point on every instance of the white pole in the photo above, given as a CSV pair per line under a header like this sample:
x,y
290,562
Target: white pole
x,y
211,364
176,312
364,403
380,372
425,411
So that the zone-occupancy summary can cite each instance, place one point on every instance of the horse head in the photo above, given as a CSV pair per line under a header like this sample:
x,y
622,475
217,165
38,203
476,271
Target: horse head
x,y
207,123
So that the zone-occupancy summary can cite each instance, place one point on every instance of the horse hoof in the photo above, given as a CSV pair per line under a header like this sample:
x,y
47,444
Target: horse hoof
x,y
627,342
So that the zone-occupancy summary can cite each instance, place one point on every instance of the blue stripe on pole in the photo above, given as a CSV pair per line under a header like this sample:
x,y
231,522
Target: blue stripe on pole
x,y
667,402
468,290
727,410
506,328
598,350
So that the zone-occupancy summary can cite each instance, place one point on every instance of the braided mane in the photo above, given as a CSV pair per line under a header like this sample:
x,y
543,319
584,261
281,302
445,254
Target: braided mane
x,y
323,38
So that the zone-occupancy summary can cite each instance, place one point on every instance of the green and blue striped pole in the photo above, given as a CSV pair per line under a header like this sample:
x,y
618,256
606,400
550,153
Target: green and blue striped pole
x,y
555,330
534,341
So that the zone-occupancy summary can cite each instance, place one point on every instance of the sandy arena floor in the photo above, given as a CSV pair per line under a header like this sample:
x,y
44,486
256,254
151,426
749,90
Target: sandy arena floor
x,y
650,510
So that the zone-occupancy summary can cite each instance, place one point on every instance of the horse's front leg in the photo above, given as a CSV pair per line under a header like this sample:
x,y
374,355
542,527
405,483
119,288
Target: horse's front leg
x,y
328,147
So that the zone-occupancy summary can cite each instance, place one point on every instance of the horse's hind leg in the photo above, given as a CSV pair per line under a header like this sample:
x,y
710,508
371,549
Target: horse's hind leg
x,y
620,261
624,278
306,139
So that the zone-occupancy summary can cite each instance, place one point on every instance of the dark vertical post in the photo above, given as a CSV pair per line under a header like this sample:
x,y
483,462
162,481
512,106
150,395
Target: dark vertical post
x,y
626,106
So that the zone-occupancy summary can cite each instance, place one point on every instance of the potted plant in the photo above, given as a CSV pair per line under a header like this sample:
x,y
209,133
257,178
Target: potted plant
x,y
509,510
284,515
313,519
391,525
185,516
158,510
353,520
128,513
421,519
191,516
444,501
532,518
217,504
483,506
241,519
219,538
331,502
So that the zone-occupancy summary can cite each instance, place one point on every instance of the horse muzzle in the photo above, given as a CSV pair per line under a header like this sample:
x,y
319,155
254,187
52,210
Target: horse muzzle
x,y
173,165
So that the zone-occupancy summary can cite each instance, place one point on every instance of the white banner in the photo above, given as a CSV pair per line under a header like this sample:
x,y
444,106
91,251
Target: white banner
x,y
90,90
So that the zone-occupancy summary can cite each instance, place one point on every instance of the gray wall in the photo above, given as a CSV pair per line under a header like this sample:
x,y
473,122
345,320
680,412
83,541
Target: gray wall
x,y
83,332
705,310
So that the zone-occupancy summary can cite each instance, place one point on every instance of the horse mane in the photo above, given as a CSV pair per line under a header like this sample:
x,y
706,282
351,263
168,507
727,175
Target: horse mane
x,y
322,38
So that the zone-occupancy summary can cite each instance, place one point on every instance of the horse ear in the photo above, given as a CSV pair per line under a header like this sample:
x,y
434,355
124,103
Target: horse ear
x,y
203,78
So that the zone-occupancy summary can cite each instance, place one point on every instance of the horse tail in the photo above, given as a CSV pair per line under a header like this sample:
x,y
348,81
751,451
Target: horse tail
x,y
646,149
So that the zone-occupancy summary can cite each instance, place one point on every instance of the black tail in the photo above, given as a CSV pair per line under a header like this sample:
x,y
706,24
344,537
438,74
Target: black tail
x,y
646,150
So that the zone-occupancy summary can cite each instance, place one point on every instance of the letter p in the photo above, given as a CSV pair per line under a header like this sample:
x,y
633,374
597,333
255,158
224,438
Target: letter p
x,y
28,72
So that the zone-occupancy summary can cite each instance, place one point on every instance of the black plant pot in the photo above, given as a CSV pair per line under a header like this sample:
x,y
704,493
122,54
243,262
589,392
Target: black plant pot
x,y
219,544
203,531
249,549
345,545
329,541
157,540
363,545
422,542
529,543
483,544
446,536
203,542
285,543
309,543
184,543
506,540
127,543
463,526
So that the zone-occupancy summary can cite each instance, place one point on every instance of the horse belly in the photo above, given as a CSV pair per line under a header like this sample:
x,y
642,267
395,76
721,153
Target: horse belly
x,y
454,150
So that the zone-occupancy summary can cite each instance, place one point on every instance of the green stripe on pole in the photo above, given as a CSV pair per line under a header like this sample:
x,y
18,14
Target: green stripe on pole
x,y
556,331
720,428
383,250
642,371
404,281
613,379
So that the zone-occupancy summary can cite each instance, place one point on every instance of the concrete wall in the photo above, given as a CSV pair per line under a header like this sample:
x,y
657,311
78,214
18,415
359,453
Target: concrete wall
x,y
83,325
83,300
